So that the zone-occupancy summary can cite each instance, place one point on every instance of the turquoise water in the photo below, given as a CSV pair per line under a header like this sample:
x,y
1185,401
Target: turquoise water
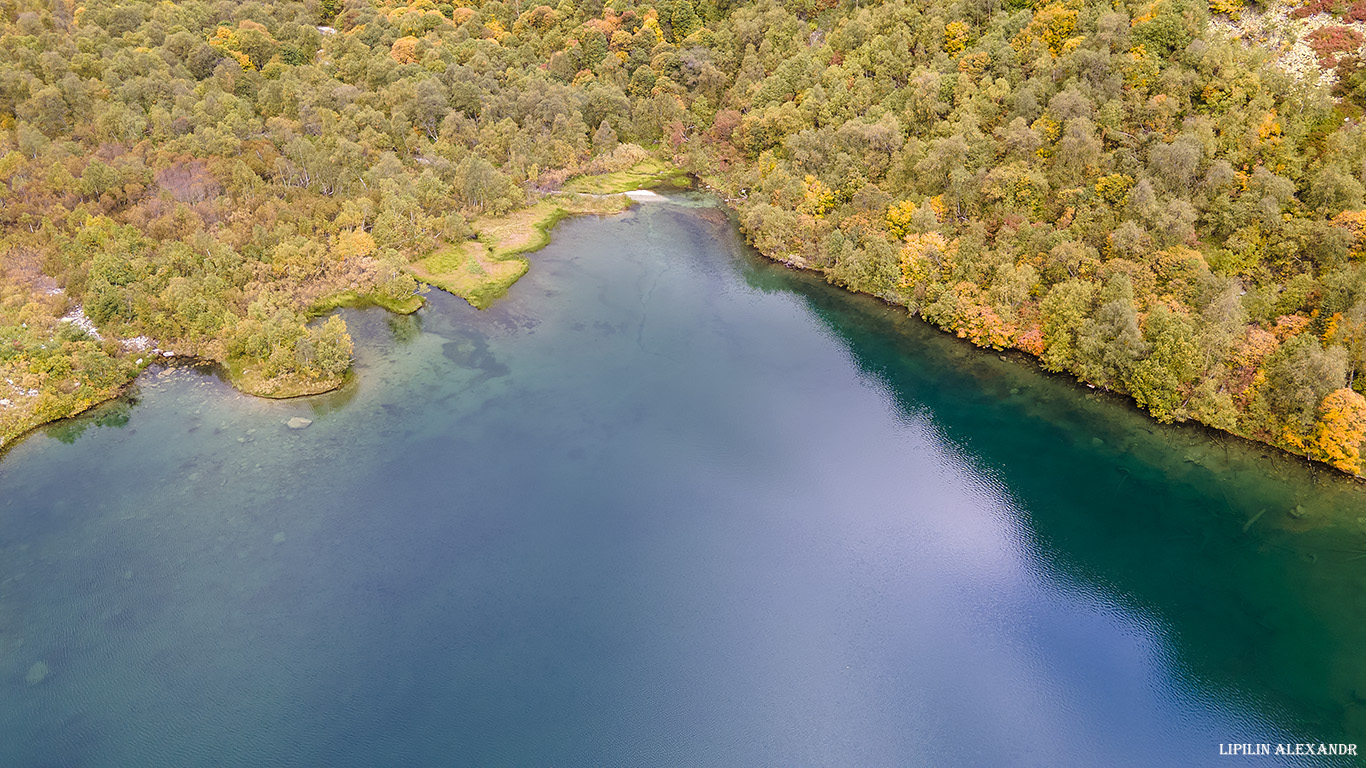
x,y
668,504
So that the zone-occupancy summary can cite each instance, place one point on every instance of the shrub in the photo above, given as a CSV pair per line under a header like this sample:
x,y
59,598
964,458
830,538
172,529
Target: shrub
x,y
1330,42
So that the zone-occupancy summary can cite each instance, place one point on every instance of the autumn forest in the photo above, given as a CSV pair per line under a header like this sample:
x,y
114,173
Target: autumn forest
x,y
1117,188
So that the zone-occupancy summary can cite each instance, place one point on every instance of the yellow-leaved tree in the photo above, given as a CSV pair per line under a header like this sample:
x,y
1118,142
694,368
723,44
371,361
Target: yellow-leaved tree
x,y
353,244
817,198
1340,428
925,258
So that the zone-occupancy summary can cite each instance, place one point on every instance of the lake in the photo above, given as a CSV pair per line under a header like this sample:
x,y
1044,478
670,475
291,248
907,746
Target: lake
x,y
668,503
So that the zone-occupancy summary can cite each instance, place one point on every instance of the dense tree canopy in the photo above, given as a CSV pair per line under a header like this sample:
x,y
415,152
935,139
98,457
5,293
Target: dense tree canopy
x,y
1114,187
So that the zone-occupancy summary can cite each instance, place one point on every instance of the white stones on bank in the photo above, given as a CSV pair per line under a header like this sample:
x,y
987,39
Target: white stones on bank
x,y
77,317
646,196
18,393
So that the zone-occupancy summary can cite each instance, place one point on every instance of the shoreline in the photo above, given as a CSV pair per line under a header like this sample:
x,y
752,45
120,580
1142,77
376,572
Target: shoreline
x,y
801,265
480,270
234,375
527,230
7,443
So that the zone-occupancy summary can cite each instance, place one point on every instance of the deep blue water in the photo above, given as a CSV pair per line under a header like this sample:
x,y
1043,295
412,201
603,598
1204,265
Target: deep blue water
x,y
668,504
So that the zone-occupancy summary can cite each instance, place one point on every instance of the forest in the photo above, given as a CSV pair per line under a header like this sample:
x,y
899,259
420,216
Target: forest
x,y
1113,186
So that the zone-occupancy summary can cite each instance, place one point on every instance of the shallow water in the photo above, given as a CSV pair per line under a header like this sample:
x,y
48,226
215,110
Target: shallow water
x,y
668,504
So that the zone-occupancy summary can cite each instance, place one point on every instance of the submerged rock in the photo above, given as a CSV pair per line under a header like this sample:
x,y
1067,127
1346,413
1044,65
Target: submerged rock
x,y
37,673
298,422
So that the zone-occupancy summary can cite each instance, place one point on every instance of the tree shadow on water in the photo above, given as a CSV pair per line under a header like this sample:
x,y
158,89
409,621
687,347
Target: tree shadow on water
x,y
1253,562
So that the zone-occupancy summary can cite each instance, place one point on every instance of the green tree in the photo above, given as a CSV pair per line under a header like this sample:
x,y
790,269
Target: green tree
x,y
1110,342
1299,375
1161,381
684,20
1065,310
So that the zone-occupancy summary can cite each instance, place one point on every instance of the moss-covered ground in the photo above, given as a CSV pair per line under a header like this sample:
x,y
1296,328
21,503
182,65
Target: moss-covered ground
x,y
353,299
649,174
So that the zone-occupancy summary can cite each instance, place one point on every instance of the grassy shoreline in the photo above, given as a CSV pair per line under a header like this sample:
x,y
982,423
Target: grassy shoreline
x,y
649,174
355,300
481,270
249,380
